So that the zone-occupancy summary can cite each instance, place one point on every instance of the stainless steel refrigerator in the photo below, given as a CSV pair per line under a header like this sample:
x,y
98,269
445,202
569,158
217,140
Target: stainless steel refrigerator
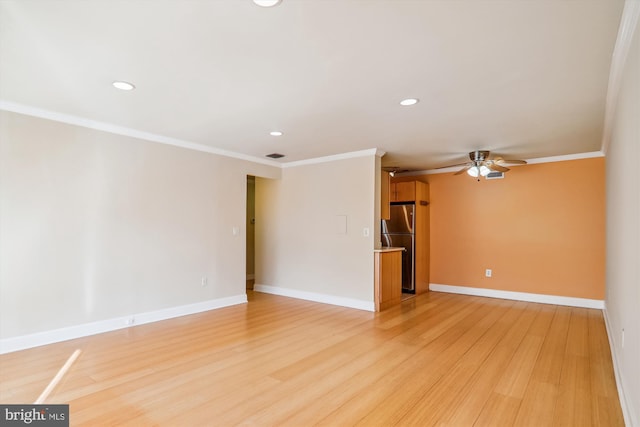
x,y
399,232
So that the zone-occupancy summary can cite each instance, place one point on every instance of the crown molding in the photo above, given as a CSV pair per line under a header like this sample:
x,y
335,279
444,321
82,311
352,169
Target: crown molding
x,y
537,160
628,24
147,136
564,158
125,131
332,158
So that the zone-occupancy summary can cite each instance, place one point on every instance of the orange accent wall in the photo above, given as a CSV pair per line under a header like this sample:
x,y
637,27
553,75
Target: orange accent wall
x,y
541,229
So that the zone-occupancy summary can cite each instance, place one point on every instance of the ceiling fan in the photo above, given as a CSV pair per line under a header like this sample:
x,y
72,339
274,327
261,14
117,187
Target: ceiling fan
x,y
480,164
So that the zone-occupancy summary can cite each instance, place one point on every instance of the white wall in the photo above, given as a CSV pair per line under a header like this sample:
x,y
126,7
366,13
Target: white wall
x,y
623,235
95,226
300,247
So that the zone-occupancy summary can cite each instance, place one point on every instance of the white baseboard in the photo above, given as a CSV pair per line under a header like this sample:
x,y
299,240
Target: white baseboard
x,y
519,296
626,413
8,345
312,296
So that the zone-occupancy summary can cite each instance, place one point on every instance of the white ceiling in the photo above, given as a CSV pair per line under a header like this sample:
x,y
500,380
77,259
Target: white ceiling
x,y
523,78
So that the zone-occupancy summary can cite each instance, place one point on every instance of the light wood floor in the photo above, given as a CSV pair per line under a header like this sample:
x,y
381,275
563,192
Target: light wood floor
x,y
438,359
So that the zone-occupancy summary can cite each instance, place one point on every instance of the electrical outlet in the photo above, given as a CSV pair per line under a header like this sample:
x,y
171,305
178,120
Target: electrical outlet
x,y
488,272
130,321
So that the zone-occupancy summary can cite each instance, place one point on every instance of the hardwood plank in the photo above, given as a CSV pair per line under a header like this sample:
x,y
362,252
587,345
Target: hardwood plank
x,y
574,403
549,365
499,410
603,383
476,401
602,380
578,333
515,377
538,405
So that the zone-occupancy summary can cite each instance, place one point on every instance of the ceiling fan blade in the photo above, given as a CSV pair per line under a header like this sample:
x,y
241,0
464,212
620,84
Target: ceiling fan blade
x,y
496,167
453,166
463,170
510,162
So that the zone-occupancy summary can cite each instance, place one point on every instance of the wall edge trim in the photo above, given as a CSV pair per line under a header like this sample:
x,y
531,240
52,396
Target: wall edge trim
x,y
316,297
332,158
22,342
628,23
84,122
125,131
626,412
564,158
519,296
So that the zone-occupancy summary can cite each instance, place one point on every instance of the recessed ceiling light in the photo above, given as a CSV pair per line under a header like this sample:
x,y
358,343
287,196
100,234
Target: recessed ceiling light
x,y
266,3
123,85
409,101
275,133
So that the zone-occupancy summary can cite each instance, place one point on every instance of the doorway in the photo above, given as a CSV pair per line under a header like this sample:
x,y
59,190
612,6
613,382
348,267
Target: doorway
x,y
250,227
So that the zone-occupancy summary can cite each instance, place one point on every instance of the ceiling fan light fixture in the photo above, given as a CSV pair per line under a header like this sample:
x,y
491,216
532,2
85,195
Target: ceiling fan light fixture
x,y
481,164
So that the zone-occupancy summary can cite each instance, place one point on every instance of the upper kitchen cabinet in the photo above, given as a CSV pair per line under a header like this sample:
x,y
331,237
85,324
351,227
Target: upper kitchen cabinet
x,y
408,191
385,211
403,191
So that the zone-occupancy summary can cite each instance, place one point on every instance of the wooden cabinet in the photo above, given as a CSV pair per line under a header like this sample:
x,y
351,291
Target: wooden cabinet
x,y
422,238
403,191
395,192
385,211
418,193
388,278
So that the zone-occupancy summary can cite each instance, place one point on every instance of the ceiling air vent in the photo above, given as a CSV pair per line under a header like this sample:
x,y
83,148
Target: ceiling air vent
x,y
275,156
495,175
